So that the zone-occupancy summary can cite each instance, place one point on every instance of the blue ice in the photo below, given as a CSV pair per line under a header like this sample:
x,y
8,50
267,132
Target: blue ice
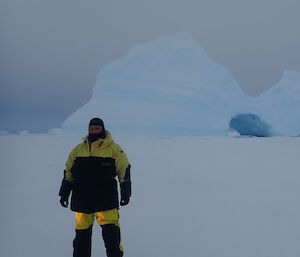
x,y
250,124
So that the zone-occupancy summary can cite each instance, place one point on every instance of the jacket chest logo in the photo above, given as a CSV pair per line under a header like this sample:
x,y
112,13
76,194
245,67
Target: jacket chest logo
x,y
105,164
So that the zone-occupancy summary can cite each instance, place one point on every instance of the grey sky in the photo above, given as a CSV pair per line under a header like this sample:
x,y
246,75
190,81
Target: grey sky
x,y
51,51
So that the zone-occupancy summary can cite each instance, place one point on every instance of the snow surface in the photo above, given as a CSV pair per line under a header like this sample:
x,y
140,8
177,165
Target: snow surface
x,y
170,86
192,197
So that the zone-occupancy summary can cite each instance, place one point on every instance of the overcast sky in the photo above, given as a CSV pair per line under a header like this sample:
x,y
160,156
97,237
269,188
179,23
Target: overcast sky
x,y
52,50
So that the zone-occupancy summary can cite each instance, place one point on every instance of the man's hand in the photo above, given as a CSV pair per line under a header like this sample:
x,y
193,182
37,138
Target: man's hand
x,y
125,192
124,201
64,202
64,192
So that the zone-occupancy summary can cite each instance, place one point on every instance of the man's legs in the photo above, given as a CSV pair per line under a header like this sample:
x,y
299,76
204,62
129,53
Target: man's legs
x,y
83,240
109,222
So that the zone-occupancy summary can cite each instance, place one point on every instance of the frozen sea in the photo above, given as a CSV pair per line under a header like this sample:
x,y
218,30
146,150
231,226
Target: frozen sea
x,y
192,197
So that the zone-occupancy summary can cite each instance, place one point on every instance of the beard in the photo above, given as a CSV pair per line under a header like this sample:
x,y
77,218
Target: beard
x,y
93,137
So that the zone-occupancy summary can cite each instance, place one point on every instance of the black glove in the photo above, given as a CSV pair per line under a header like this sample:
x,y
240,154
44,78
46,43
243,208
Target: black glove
x,y
64,201
64,192
125,192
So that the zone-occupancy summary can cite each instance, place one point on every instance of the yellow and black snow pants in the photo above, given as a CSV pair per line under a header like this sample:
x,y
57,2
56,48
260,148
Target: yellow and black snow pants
x,y
109,222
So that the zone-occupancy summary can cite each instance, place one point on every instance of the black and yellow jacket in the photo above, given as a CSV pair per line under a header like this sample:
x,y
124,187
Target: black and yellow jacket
x,y
91,172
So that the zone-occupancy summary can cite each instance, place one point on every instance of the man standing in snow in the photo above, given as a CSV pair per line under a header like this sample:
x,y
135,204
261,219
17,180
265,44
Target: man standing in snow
x,y
90,174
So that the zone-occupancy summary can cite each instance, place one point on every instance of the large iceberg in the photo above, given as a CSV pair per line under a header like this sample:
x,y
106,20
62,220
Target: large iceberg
x,y
280,105
170,86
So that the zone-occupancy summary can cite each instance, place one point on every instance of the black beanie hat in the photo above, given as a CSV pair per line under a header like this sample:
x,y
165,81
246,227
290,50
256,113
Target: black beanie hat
x,y
97,121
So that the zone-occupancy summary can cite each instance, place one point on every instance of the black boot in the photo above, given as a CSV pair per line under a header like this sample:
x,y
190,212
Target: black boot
x,y
112,240
83,243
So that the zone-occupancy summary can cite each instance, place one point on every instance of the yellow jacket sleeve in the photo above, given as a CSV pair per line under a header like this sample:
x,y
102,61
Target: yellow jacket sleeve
x,y
69,165
121,163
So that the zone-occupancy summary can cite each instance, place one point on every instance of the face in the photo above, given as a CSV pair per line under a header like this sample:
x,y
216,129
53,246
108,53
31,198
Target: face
x,y
95,129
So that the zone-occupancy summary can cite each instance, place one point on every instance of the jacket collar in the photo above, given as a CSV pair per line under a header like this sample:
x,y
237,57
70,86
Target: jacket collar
x,y
102,142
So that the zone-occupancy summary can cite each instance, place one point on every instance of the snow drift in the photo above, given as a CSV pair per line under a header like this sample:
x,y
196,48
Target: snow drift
x,y
172,87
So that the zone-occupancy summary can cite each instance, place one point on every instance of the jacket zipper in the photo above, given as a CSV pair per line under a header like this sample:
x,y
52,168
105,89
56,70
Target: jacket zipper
x,y
90,148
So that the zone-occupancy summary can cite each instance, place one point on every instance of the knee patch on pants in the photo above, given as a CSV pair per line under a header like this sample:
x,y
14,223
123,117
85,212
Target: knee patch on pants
x,y
112,240
82,242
